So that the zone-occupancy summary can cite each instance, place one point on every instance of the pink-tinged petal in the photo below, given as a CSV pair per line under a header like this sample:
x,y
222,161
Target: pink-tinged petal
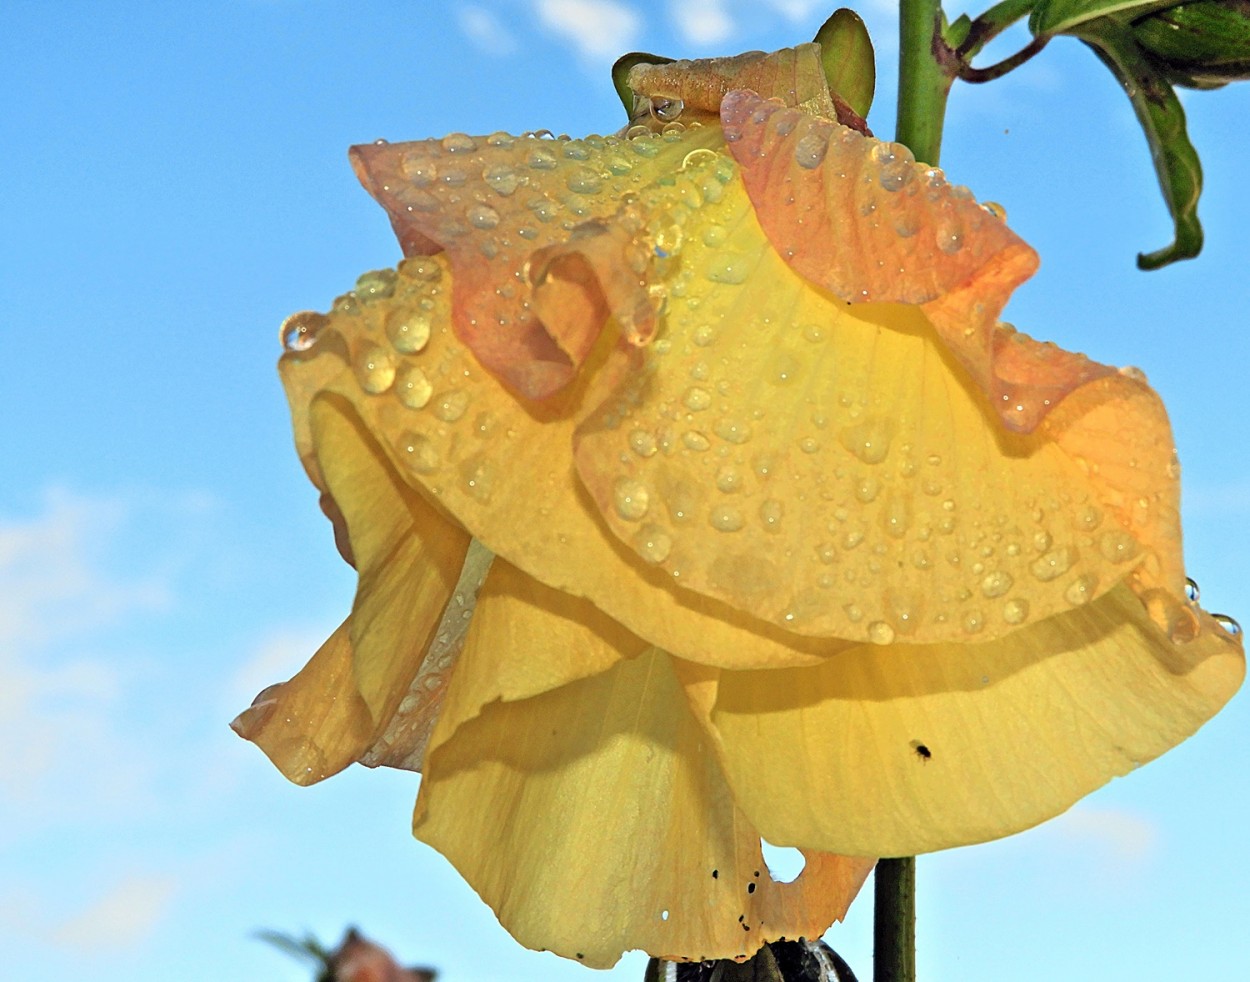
x,y
862,219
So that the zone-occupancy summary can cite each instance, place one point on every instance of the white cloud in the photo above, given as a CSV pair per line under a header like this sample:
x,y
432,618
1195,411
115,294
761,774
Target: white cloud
x,y
123,917
703,21
600,29
276,658
1113,833
485,30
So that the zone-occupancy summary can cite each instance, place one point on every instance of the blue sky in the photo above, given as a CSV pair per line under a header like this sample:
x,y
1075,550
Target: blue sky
x,y
175,182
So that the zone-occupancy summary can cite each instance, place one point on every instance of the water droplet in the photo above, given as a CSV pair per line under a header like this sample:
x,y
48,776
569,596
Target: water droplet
x,y
1053,564
996,584
412,387
459,143
409,331
478,475
500,139
950,239
375,369
696,399
1192,593
733,430
418,452
1089,518
714,236
584,180
653,543
299,331
1229,624
502,179
1016,611
731,268
642,443
879,632
810,150
419,169
1081,590
725,518
869,440
729,480
867,489
450,406
854,613
973,622
540,158
1117,546
424,268
771,513
376,285
665,108
694,440
630,498
483,217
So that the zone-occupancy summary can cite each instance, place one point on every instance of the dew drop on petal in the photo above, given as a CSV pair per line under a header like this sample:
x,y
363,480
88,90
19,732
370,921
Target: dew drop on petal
x,y
376,285
1081,590
409,331
630,498
1052,564
1229,624
810,150
653,543
418,452
725,518
996,584
1192,593
973,622
1118,546
483,217
1016,611
299,331
771,513
450,406
879,632
459,143
375,369
412,387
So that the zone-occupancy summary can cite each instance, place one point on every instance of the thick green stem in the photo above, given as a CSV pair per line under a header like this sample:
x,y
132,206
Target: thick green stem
x,y
924,81
894,921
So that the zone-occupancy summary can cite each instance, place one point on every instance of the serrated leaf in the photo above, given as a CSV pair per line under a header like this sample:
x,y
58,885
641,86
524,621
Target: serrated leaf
x,y
847,57
1063,16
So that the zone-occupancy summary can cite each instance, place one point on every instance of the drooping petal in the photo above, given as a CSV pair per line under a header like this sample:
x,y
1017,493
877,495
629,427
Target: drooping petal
x,y
862,219
832,469
504,470
899,750
343,705
603,793
490,202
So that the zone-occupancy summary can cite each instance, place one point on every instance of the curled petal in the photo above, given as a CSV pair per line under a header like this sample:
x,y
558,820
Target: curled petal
x,y
456,437
490,203
863,220
893,751
832,469
568,783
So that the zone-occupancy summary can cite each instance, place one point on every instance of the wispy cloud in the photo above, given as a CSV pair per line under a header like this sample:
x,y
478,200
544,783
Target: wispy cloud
x,y
124,916
1117,835
485,30
703,21
599,29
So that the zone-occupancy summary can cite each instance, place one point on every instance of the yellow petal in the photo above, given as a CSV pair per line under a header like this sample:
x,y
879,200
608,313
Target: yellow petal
x,y
602,794
863,220
834,470
307,735
899,750
490,202
504,469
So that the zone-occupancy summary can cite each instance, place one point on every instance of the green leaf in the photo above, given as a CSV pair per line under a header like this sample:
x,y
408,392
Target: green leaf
x,y
847,57
620,75
1206,43
1063,16
1163,120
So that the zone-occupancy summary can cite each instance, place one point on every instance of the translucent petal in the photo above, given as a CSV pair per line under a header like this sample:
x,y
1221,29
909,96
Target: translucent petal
x,y
490,202
862,219
900,750
504,470
605,797
833,470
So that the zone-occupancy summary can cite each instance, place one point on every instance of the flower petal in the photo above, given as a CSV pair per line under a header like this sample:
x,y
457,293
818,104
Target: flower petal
x,y
489,202
504,470
831,469
860,218
900,750
616,820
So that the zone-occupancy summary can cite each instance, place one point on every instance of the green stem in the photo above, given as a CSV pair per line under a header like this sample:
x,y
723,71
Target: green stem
x,y
925,73
992,23
894,921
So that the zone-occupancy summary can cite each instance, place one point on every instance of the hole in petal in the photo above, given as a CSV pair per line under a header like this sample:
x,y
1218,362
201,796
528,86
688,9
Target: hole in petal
x,y
785,863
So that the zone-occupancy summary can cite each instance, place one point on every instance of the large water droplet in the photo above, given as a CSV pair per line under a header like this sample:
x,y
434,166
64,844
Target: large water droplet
x,y
584,180
642,443
418,452
412,387
732,430
996,584
376,285
1229,624
419,169
728,267
653,543
879,632
299,331
729,480
450,406
869,440
409,331
501,179
696,398
459,143
482,216
1192,593
630,498
810,150
726,518
771,513
1081,590
1053,564
375,369
540,158
1016,611
665,108
1118,546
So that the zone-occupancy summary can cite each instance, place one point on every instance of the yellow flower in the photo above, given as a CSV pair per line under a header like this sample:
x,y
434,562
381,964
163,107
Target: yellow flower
x,y
792,538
